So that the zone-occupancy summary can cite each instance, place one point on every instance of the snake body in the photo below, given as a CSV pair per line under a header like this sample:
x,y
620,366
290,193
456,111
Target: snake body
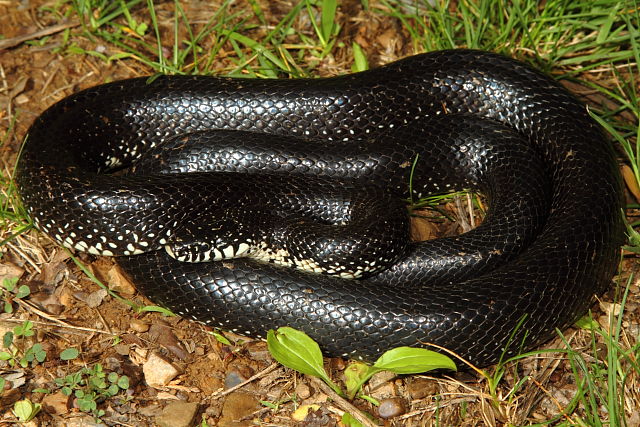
x,y
463,118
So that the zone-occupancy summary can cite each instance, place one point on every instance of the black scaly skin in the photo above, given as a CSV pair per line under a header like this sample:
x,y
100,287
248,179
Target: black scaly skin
x,y
536,262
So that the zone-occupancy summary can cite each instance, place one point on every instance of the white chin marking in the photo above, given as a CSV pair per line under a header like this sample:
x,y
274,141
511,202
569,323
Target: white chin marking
x,y
228,252
243,248
170,251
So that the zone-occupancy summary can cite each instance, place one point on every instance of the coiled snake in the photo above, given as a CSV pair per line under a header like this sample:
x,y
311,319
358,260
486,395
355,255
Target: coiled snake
x,y
430,122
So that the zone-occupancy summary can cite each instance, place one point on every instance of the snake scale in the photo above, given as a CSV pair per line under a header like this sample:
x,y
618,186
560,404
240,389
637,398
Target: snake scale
x,y
432,122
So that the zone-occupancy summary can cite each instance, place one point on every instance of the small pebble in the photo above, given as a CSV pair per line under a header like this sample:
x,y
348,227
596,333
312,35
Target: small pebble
x,y
390,408
237,375
164,335
56,403
420,388
119,282
111,364
21,99
380,379
55,309
232,379
82,421
139,326
303,391
237,406
177,414
158,371
258,351
382,386
213,411
122,348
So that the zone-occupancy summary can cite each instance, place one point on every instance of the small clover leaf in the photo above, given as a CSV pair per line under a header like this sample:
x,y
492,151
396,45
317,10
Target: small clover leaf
x,y
69,353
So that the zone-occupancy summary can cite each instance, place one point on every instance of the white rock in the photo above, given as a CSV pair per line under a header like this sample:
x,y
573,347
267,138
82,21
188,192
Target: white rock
x,y
158,371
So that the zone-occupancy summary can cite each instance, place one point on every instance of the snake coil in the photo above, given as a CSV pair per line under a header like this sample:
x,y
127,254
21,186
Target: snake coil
x,y
536,261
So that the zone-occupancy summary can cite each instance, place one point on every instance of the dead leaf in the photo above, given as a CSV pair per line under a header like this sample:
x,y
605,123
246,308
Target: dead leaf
x,y
119,282
422,229
94,299
163,335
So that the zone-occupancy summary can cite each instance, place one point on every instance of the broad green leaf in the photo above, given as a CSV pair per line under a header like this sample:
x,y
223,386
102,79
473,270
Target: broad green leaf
x,y
296,350
409,360
25,410
28,355
355,375
69,353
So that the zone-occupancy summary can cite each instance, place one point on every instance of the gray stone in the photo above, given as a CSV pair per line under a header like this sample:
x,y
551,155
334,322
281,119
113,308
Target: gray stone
x,y
390,408
177,414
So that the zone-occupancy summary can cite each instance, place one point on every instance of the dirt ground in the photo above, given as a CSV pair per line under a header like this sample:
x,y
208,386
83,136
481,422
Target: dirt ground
x,y
68,310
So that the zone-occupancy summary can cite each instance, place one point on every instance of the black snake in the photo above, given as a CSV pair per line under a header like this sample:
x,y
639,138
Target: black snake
x,y
431,122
